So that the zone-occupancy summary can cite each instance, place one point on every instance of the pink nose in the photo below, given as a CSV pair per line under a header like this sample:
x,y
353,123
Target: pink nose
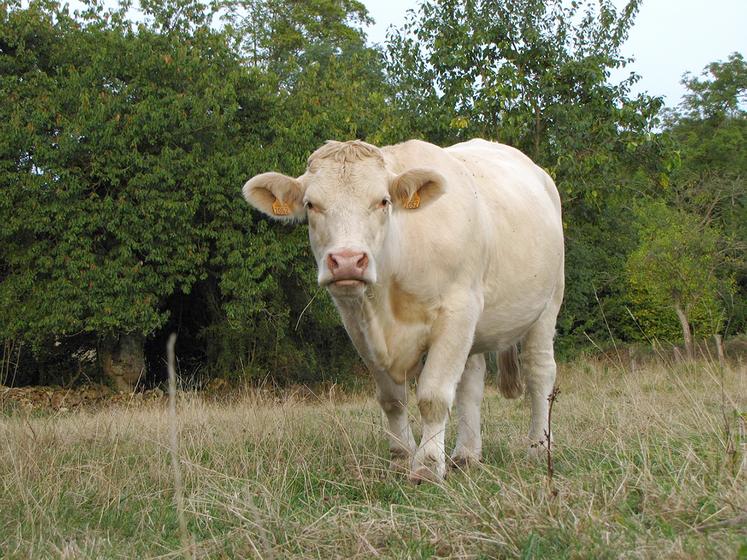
x,y
347,265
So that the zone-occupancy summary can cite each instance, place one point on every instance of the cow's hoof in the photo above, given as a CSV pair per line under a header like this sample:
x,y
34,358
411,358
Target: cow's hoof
x,y
463,461
400,461
399,467
537,452
424,474
430,470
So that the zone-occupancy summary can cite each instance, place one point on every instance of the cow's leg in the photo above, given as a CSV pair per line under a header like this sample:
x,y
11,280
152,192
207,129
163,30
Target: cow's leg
x,y
538,362
393,400
469,392
452,335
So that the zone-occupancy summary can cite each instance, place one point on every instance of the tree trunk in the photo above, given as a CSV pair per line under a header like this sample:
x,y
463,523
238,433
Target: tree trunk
x,y
720,350
686,333
537,131
123,360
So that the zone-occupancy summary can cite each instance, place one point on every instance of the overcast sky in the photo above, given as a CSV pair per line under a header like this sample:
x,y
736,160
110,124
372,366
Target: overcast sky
x,y
669,38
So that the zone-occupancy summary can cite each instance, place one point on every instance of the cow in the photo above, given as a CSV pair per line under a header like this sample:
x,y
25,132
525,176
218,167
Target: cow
x,y
434,257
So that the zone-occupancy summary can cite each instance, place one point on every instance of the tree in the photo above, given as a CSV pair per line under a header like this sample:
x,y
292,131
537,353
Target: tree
x,y
329,83
677,266
721,95
709,132
118,160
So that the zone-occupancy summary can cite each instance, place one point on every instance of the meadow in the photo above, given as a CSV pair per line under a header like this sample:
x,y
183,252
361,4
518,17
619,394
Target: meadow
x,y
648,464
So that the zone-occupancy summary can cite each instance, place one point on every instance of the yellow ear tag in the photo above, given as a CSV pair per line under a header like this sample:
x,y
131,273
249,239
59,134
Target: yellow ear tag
x,y
280,208
414,201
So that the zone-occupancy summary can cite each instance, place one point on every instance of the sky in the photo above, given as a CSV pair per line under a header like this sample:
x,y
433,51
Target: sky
x,y
669,38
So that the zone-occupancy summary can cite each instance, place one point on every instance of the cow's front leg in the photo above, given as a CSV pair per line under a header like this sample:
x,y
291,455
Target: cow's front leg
x,y
393,400
451,341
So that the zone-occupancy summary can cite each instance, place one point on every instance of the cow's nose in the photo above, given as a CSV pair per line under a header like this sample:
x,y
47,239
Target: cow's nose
x,y
345,265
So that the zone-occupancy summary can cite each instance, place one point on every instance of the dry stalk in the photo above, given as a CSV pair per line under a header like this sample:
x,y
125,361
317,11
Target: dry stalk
x,y
185,537
305,308
730,447
740,521
742,423
547,443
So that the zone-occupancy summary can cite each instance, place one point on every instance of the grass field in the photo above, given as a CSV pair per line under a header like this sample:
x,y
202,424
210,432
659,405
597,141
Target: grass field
x,y
648,464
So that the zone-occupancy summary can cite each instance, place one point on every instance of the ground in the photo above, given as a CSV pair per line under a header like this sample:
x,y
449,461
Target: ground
x,y
648,464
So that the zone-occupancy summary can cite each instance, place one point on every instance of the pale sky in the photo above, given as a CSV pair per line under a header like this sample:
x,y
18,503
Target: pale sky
x,y
669,38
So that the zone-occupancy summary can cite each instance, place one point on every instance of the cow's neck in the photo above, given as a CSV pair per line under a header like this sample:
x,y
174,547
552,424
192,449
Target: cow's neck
x,y
362,320
389,337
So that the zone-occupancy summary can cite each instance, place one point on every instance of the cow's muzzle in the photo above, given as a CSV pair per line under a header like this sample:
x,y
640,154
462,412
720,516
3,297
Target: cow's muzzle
x,y
347,268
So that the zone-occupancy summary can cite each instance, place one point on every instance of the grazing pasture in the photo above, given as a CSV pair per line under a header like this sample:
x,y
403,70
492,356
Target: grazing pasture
x,y
649,464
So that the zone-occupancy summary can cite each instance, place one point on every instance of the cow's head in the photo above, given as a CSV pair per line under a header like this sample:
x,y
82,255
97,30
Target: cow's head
x,y
349,198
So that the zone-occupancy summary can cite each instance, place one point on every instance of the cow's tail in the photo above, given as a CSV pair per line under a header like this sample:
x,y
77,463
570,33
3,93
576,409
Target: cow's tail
x,y
509,375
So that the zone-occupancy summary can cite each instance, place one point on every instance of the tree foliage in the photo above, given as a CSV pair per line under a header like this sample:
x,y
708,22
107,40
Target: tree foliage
x,y
677,275
127,132
709,131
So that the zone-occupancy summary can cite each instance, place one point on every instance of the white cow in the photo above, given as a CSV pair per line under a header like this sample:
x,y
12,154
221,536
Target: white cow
x,y
433,257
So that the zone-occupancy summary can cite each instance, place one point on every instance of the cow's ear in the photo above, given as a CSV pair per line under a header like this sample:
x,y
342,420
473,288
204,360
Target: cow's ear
x,y
416,188
277,195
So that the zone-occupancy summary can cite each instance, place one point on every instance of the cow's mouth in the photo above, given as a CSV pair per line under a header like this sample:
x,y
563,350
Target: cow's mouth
x,y
347,287
347,283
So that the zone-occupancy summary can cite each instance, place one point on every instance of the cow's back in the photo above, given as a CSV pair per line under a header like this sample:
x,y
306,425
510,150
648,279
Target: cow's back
x,y
499,168
524,262
497,229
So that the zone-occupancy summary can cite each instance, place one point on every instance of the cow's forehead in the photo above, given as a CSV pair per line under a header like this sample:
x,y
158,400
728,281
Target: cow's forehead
x,y
359,179
344,152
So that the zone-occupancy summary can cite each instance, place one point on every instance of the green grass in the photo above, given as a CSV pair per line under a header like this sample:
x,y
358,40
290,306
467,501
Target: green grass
x,y
642,471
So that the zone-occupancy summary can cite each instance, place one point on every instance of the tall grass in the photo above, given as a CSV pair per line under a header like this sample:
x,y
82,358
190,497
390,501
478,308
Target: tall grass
x,y
647,464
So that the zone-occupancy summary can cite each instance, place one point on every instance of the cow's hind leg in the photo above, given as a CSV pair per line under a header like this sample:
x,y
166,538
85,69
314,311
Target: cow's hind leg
x,y
393,400
538,362
468,449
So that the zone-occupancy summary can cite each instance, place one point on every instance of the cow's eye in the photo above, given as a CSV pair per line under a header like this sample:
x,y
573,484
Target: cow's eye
x,y
384,203
308,205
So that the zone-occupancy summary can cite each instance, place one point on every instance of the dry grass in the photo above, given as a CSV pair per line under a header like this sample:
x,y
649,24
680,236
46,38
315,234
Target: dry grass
x,y
644,468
